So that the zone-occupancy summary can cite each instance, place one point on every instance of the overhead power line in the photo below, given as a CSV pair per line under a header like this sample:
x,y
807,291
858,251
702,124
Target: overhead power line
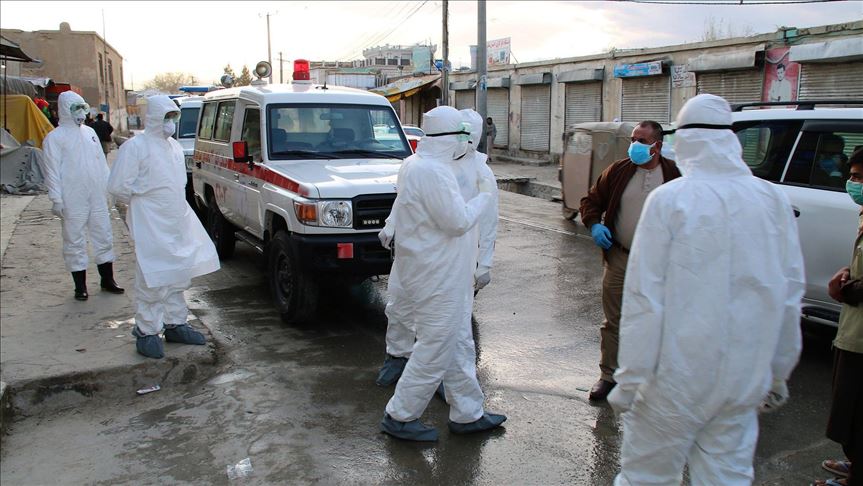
x,y
730,2
394,14
380,39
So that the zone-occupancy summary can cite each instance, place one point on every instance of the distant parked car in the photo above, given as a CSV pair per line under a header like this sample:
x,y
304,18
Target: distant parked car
x,y
414,134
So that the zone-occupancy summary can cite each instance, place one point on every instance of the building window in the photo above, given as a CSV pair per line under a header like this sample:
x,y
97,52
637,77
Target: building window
x,y
405,62
392,62
101,70
379,61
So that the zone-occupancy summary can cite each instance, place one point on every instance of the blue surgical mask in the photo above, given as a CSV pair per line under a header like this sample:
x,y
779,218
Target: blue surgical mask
x,y
855,190
639,153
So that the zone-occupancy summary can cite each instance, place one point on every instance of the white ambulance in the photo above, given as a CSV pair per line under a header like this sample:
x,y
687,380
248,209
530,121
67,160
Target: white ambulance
x,y
305,174
190,107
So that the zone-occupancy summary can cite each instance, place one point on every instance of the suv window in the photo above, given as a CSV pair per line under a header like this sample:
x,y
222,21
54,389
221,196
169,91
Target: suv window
x,y
821,159
325,131
767,145
224,120
252,131
205,131
188,122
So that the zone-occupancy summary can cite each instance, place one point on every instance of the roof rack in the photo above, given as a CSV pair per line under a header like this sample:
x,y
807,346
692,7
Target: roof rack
x,y
800,104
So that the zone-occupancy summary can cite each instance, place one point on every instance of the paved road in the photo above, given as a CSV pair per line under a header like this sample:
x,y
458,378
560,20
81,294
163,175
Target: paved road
x,y
301,403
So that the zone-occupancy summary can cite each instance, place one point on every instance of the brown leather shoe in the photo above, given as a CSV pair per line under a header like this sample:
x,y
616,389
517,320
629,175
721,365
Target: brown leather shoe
x,y
601,389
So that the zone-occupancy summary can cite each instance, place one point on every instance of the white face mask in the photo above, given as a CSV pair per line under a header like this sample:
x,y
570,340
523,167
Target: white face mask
x,y
463,140
460,150
79,116
168,128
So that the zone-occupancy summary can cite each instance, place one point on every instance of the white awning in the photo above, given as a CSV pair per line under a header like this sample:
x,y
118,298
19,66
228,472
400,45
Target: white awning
x,y
536,78
581,75
462,85
848,49
724,61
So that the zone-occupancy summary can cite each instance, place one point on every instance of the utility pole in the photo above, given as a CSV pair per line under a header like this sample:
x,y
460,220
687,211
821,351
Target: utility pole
x,y
269,50
445,76
281,68
481,61
105,67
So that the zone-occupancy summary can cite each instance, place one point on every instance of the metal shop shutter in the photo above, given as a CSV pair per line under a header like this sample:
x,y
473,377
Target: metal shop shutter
x,y
583,102
498,110
646,98
734,86
831,81
535,117
465,99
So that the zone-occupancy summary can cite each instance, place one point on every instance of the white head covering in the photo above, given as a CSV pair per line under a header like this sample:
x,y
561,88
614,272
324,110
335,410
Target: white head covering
x,y
64,111
157,107
711,151
474,119
440,120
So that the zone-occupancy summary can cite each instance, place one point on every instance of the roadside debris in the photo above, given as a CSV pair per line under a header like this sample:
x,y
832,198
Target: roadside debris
x,y
241,469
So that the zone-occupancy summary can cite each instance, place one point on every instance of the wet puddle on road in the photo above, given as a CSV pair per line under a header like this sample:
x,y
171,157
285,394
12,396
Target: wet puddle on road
x,y
230,377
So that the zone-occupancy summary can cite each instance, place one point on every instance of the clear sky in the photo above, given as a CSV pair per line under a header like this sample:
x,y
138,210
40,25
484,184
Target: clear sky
x,y
200,37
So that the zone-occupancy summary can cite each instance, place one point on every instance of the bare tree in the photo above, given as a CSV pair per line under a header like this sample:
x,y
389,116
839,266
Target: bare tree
x,y
170,82
717,29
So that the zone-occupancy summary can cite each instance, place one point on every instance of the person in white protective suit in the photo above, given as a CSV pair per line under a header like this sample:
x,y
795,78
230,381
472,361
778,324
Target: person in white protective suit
x,y
468,170
435,258
171,246
710,324
76,173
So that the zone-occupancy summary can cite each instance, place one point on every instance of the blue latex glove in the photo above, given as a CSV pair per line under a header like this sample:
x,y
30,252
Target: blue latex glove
x,y
601,235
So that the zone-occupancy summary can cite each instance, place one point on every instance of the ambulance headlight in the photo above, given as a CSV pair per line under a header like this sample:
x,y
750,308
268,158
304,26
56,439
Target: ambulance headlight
x,y
337,214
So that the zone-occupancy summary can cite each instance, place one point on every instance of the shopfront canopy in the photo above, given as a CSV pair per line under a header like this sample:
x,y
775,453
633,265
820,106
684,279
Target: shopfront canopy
x,y
405,87
11,51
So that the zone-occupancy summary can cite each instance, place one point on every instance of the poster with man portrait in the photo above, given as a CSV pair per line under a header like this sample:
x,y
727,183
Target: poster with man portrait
x,y
780,76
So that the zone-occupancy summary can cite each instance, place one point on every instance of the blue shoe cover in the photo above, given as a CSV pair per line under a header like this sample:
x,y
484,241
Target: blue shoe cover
x,y
391,370
440,392
413,430
183,334
149,346
488,421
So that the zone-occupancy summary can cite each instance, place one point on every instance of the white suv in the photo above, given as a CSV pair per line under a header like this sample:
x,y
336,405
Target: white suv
x,y
306,174
805,151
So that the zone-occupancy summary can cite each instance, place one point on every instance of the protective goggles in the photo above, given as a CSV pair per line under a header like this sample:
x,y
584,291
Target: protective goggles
x,y
463,130
79,106
707,126
173,116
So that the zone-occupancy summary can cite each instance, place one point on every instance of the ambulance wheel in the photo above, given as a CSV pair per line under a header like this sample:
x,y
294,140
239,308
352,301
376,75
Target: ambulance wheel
x,y
221,231
295,292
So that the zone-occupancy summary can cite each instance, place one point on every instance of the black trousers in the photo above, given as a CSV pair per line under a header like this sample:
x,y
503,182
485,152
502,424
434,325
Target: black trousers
x,y
845,425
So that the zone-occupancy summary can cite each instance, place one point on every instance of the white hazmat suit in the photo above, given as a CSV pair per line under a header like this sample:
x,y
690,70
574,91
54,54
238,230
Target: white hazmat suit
x,y
711,311
435,257
467,170
76,173
171,246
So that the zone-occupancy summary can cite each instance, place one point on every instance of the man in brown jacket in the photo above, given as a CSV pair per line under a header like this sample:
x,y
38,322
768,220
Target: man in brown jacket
x,y
619,195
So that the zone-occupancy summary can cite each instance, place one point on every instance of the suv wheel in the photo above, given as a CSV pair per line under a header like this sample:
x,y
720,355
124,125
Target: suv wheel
x,y
295,292
221,231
